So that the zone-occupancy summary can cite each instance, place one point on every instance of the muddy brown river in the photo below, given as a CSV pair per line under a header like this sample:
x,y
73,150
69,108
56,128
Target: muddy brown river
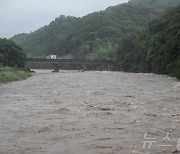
x,y
73,112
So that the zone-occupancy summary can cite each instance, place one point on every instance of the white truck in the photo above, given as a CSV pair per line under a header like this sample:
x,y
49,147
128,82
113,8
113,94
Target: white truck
x,y
51,57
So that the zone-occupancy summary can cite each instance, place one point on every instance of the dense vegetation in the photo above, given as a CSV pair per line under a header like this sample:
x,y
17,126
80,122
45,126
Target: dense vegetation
x,y
94,36
46,38
156,49
11,54
12,62
8,74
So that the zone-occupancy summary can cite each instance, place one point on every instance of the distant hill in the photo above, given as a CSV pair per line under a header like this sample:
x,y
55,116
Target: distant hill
x,y
44,39
94,36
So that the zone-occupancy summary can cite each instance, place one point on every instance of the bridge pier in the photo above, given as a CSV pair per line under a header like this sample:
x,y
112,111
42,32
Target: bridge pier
x,y
56,67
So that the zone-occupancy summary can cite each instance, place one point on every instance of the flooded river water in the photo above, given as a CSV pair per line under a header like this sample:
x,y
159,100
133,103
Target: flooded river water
x,y
74,112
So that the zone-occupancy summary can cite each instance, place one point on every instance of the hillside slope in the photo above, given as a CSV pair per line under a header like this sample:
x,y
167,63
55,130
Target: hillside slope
x,y
156,49
47,37
94,36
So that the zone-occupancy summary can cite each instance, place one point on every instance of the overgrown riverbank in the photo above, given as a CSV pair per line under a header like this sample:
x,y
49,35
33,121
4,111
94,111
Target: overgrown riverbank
x,y
12,62
9,74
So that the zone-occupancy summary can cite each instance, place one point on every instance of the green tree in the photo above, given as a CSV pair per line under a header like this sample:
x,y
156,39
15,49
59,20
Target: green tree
x,y
11,54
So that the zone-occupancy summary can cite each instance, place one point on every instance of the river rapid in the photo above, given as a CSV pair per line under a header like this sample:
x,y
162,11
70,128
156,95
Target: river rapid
x,y
73,112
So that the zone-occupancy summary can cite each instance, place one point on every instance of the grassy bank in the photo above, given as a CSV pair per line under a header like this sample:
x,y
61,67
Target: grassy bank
x,y
8,74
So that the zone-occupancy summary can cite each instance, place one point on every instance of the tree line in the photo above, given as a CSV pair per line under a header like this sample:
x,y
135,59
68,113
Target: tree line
x,y
156,49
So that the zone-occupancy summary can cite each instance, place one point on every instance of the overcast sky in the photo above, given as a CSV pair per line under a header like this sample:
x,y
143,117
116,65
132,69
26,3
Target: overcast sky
x,y
24,16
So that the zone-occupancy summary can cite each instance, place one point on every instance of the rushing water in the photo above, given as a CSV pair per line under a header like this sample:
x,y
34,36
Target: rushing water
x,y
90,112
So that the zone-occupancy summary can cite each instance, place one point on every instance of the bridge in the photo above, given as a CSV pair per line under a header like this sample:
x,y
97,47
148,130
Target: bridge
x,y
73,64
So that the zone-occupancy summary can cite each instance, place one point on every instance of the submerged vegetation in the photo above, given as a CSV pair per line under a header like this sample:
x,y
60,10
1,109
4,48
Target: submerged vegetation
x,y
12,62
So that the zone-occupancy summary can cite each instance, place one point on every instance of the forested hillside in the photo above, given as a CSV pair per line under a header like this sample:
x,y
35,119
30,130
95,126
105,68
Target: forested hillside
x,y
94,36
156,49
48,37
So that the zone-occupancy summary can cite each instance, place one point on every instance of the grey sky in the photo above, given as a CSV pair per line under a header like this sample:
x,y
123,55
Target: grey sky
x,y
19,16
